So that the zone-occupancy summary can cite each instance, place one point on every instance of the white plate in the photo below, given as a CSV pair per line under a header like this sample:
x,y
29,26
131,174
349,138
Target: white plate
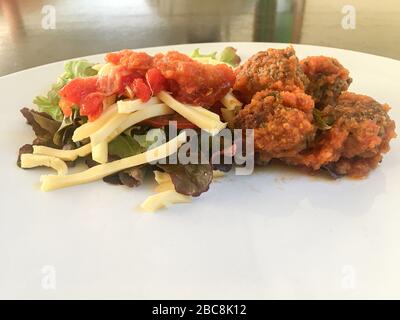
x,y
275,234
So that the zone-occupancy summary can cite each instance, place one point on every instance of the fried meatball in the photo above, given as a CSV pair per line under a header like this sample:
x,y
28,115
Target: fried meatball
x,y
193,82
328,79
282,123
275,69
360,134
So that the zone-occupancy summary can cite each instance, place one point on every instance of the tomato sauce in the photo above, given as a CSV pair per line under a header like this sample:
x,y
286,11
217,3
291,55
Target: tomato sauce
x,y
140,75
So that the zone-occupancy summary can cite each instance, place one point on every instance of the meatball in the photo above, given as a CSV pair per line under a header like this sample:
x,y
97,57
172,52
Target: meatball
x,y
328,79
360,134
275,69
193,82
282,123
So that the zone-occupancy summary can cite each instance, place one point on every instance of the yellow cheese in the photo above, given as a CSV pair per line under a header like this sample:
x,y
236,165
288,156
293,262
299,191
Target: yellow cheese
x,y
85,130
51,182
100,152
196,117
164,199
150,112
128,106
230,102
161,177
34,160
205,112
165,186
228,116
66,155
105,131
134,118
218,174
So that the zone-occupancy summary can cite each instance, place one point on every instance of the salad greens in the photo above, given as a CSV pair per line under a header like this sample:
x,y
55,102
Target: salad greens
x,y
72,70
42,124
126,145
228,56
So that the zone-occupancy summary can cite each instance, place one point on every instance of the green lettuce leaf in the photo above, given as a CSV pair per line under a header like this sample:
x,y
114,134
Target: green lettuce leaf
x,y
126,145
196,54
72,70
228,56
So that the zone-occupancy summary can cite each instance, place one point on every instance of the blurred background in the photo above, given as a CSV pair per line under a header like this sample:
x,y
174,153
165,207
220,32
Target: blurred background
x,y
35,32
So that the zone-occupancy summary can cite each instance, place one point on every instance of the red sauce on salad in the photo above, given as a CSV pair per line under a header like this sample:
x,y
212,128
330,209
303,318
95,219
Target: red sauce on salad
x,y
139,74
193,82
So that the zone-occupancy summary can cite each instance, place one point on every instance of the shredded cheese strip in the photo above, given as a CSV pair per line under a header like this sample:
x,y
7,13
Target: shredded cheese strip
x,y
100,152
149,112
165,186
70,155
163,199
161,177
218,174
230,102
205,112
52,182
106,130
85,130
29,160
66,155
203,121
128,106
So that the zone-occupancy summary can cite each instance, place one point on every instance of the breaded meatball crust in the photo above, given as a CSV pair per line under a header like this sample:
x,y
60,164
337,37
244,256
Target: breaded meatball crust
x,y
360,134
328,79
275,69
282,122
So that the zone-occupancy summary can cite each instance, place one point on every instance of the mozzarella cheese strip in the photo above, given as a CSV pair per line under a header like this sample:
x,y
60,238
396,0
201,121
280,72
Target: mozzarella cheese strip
x,y
199,118
70,155
228,116
218,174
155,110
123,121
100,152
230,102
52,182
66,155
161,177
106,130
128,106
205,112
165,186
85,130
164,199
29,160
